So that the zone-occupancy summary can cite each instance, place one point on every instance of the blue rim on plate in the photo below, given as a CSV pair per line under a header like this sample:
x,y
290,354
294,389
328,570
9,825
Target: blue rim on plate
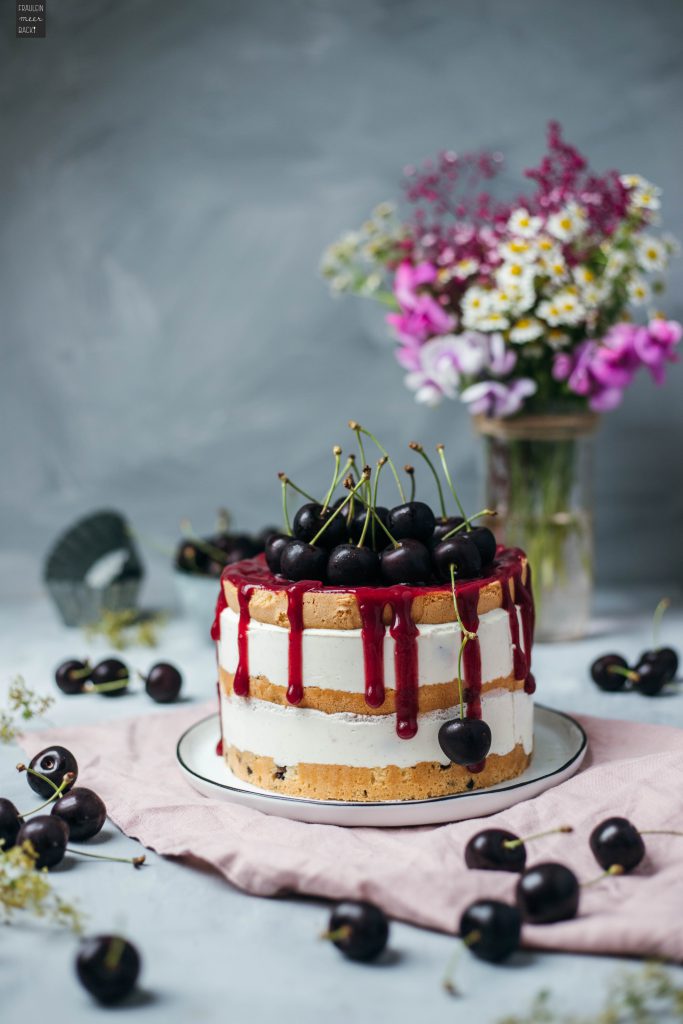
x,y
256,791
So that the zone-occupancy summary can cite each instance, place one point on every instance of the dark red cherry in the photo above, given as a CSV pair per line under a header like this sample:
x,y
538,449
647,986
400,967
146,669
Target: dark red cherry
x,y
359,929
465,741
651,679
108,966
310,519
459,552
486,851
603,675
53,763
664,659
444,526
350,566
48,836
82,811
190,558
617,841
358,522
303,561
485,542
407,563
10,823
275,545
71,676
491,929
234,546
413,519
548,892
163,683
110,677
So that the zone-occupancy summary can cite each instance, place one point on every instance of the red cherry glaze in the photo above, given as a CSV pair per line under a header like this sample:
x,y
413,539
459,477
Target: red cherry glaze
x,y
240,683
221,605
219,747
251,573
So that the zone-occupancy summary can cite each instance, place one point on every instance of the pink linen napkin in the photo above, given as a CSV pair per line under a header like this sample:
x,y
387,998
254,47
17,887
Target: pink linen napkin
x,y
417,874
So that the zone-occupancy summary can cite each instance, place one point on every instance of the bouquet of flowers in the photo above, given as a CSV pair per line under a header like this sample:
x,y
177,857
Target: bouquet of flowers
x,y
517,305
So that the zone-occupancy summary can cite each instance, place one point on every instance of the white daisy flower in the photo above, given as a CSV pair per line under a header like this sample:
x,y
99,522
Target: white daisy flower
x,y
645,198
493,321
616,262
526,329
634,181
465,268
564,308
593,295
583,276
652,253
518,249
638,291
546,245
557,339
523,224
566,224
514,273
554,266
475,304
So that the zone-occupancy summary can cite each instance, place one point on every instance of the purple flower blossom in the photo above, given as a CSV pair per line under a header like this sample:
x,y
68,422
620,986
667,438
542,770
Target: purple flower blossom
x,y
655,344
495,398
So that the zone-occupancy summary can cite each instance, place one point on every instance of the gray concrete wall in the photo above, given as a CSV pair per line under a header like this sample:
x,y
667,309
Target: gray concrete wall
x,y
170,174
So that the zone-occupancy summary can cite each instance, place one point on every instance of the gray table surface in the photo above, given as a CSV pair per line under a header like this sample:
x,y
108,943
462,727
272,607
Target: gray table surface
x,y
212,953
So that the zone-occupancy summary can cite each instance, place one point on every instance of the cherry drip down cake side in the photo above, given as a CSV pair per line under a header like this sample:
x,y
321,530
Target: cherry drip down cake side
x,y
385,658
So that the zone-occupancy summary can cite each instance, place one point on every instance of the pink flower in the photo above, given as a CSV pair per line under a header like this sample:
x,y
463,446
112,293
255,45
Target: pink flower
x,y
421,316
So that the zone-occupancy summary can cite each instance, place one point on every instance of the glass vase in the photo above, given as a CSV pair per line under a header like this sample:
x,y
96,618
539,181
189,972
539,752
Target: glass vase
x,y
539,482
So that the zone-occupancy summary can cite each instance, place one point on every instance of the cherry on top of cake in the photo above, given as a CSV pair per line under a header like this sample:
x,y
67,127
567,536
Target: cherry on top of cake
x,y
352,541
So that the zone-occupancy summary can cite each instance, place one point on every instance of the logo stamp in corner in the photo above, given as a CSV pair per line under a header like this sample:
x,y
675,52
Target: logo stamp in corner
x,y
31,19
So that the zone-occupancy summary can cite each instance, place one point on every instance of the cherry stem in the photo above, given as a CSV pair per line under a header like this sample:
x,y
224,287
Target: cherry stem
x,y
466,635
285,513
440,449
137,862
467,524
627,673
615,869
336,451
512,844
223,520
115,684
362,430
38,775
80,673
659,832
114,952
203,545
379,522
380,466
66,781
410,470
414,446
338,934
295,487
370,513
448,982
365,476
657,620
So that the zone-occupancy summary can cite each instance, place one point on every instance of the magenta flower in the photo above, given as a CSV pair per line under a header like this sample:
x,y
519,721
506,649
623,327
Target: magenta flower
x,y
654,345
421,316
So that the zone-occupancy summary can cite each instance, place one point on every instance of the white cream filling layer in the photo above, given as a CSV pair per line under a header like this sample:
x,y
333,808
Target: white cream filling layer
x,y
293,735
333,658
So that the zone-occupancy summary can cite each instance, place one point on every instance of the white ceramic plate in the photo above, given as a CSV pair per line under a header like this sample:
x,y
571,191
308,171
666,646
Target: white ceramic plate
x,y
559,748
